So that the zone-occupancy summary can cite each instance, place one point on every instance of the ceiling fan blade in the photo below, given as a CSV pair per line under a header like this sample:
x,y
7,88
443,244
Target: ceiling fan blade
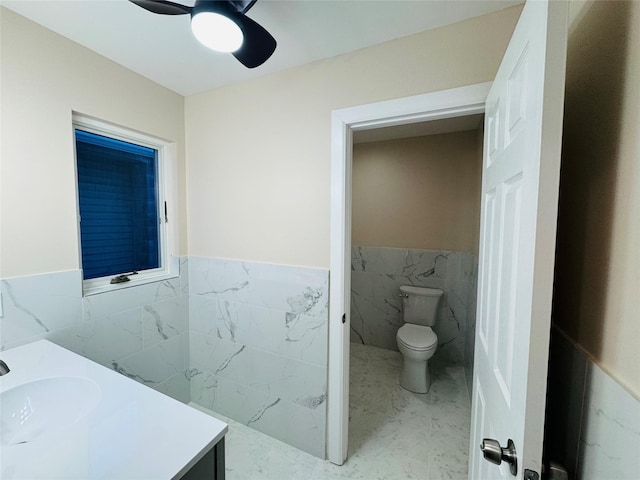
x,y
258,44
162,7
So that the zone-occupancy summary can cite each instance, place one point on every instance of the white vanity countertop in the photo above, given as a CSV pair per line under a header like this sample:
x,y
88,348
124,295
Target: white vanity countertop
x,y
132,433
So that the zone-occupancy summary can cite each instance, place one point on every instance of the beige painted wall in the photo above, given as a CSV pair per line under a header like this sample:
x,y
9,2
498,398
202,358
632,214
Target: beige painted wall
x,y
258,170
597,297
421,192
44,77
259,152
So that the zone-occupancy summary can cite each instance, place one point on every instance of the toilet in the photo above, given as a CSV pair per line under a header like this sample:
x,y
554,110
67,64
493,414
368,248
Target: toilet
x,y
416,340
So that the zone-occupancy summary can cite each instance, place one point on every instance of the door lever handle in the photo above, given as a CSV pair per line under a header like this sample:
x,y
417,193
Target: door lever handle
x,y
492,451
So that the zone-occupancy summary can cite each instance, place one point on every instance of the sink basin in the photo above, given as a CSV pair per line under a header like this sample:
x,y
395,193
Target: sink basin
x,y
41,407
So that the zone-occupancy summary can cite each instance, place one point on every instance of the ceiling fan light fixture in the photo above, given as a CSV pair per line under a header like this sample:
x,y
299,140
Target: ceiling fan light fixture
x,y
216,31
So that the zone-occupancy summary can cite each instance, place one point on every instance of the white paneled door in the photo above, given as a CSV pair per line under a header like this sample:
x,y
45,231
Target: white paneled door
x,y
521,168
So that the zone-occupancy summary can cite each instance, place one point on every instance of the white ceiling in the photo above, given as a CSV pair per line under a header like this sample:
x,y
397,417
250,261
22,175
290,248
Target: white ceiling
x,y
163,49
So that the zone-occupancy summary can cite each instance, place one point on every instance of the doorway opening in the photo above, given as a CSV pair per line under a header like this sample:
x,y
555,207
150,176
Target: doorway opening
x,y
449,104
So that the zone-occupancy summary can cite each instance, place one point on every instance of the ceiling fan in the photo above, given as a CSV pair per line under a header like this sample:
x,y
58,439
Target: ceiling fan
x,y
222,25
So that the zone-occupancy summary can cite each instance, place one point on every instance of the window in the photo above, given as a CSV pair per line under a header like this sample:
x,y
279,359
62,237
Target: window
x,y
122,206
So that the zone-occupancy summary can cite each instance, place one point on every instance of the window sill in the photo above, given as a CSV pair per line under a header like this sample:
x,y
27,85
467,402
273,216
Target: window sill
x,y
132,283
136,281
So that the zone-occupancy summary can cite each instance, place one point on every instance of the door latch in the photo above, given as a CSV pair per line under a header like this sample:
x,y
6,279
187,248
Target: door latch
x,y
492,451
531,475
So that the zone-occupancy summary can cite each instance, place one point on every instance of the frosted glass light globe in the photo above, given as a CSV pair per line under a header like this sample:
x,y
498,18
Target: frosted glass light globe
x,y
216,31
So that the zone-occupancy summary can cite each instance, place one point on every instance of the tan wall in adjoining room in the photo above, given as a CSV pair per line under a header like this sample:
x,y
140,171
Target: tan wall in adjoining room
x,y
259,152
421,192
480,157
44,77
597,293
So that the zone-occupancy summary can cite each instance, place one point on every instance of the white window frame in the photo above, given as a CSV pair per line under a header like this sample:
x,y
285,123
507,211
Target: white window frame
x,y
167,192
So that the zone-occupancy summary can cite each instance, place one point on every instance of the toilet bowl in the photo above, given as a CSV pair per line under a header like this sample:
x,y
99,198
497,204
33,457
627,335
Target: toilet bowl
x,y
416,340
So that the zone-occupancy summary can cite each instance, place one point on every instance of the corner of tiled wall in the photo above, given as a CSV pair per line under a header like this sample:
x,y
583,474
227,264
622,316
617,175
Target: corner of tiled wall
x,y
246,340
376,309
592,425
258,347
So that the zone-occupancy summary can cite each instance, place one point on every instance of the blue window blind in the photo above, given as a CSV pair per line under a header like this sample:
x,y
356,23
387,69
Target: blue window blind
x,y
119,221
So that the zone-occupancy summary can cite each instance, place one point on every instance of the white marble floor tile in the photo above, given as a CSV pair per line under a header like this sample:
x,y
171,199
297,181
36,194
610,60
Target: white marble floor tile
x,y
393,433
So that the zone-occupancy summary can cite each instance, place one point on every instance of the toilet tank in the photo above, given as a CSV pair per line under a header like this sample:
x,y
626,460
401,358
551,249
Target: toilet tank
x,y
420,305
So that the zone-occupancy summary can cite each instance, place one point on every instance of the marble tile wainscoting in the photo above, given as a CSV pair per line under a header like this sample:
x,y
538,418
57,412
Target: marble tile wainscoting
x,y
592,424
244,339
376,308
258,347
141,332
469,282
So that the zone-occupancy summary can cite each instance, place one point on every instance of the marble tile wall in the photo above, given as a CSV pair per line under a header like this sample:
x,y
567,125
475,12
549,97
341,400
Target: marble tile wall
x,y
141,332
247,340
258,347
250,341
610,433
376,308
592,424
471,279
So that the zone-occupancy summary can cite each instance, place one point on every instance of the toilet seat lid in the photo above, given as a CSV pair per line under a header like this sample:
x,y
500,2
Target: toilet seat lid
x,y
417,337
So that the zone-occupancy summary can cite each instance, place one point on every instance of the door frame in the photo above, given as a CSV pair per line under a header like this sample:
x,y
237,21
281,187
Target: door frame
x,y
450,103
